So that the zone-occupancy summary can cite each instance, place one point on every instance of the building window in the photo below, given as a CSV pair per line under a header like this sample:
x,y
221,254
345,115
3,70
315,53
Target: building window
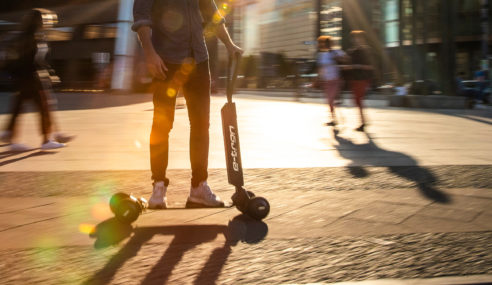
x,y
100,31
59,34
391,22
406,21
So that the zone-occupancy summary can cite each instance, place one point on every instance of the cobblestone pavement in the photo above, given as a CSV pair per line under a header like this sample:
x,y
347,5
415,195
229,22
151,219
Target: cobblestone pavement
x,y
208,250
327,259
77,183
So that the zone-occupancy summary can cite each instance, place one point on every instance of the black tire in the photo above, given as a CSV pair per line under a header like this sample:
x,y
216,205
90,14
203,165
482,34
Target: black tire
x,y
241,205
258,208
127,211
116,200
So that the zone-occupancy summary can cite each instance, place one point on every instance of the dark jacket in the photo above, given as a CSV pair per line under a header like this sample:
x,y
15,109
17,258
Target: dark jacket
x,y
361,55
177,26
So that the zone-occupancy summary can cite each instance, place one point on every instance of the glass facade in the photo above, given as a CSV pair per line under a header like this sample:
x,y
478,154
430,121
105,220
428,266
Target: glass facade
x,y
432,39
391,17
331,20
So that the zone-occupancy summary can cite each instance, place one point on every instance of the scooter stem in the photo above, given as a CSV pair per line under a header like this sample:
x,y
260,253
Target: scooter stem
x,y
232,72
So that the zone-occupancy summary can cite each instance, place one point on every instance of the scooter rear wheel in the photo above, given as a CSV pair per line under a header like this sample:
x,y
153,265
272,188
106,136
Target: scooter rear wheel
x,y
127,211
116,199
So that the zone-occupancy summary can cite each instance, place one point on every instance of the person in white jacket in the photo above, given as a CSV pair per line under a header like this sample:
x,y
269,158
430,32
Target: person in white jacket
x,y
329,60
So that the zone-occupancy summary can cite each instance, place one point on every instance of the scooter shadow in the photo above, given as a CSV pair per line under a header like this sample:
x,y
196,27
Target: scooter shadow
x,y
185,237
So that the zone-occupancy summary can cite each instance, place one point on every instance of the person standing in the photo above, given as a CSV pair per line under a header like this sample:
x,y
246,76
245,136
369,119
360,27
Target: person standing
x,y
172,38
329,72
361,71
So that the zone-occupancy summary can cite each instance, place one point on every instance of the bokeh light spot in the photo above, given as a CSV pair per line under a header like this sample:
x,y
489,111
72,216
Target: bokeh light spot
x,y
187,68
86,228
172,20
217,18
171,92
101,211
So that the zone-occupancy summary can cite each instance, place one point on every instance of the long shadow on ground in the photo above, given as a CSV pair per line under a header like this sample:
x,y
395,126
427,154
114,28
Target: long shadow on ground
x,y
111,232
6,154
82,101
421,176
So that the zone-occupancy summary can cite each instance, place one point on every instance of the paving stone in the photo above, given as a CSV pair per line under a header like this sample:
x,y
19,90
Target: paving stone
x,y
466,203
423,223
484,220
439,211
385,212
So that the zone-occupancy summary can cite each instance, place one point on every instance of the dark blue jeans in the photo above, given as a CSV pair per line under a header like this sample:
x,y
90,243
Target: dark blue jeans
x,y
194,80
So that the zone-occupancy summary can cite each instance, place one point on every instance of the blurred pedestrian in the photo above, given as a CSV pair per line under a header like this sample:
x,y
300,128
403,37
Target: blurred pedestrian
x,y
481,76
172,38
361,71
328,61
471,94
31,72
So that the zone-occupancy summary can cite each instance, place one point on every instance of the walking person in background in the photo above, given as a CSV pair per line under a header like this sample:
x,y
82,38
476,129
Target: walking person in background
x,y
30,72
361,71
329,72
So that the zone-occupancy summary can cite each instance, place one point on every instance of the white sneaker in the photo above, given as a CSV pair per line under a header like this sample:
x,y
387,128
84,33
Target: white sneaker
x,y
203,195
158,199
18,147
51,145
5,136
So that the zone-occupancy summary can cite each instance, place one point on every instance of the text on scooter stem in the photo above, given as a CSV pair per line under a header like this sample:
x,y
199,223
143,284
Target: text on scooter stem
x,y
232,134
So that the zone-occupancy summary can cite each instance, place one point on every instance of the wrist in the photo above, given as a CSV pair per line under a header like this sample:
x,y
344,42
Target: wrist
x,y
149,52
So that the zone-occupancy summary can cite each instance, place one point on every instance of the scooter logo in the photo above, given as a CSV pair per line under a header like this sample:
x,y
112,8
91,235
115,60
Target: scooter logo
x,y
234,153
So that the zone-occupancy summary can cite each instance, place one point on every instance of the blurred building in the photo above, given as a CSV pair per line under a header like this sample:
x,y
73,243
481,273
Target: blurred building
x,y
92,46
412,39
433,39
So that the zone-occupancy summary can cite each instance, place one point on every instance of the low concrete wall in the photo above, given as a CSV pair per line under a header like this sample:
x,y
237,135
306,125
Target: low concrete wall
x,y
428,101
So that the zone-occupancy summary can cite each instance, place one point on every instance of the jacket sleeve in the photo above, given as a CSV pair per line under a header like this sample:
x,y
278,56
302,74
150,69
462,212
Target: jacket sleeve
x,y
210,12
142,14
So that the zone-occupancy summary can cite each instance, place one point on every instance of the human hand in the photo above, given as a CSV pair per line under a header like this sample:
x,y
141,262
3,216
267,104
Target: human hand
x,y
233,49
155,65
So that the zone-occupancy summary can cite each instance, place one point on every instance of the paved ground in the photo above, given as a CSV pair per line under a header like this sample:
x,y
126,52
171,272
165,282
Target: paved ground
x,y
413,199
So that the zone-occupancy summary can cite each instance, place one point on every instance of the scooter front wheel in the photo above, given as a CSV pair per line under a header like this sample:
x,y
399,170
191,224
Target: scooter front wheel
x,y
258,208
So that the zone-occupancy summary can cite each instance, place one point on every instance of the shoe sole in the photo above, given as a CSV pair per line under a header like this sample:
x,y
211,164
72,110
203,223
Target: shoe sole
x,y
158,207
190,203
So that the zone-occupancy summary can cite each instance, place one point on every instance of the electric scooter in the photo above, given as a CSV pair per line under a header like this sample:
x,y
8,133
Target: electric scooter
x,y
128,208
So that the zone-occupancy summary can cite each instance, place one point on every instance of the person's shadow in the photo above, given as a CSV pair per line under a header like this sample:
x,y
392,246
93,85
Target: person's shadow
x,y
111,232
6,154
423,177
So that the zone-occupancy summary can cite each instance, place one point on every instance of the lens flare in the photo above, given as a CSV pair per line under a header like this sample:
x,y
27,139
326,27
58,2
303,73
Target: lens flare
x,y
217,18
101,211
171,92
187,68
46,252
86,228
